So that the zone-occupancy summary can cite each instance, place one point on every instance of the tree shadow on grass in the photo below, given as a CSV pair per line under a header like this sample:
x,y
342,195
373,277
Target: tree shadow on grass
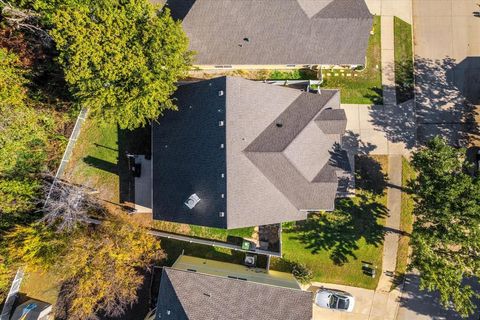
x,y
338,232
369,175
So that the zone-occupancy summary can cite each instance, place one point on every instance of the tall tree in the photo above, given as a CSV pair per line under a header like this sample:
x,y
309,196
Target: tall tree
x,y
102,266
446,234
105,269
22,141
122,58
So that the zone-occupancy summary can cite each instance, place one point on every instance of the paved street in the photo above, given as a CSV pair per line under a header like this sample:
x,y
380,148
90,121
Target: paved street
x,y
447,67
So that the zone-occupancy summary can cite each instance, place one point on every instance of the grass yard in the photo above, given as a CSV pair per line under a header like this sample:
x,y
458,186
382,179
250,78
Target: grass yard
x,y
403,60
174,248
299,74
202,232
365,86
406,220
95,158
334,244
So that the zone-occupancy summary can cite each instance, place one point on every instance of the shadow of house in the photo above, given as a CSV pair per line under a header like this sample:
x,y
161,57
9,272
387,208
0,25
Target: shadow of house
x,y
339,231
134,142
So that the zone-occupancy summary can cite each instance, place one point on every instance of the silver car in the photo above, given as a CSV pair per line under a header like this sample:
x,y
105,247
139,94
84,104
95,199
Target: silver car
x,y
334,299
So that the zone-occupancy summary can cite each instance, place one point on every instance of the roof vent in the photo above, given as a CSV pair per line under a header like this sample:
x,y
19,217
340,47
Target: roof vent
x,y
168,312
221,214
223,175
246,39
220,93
221,123
223,195
222,146
192,201
279,124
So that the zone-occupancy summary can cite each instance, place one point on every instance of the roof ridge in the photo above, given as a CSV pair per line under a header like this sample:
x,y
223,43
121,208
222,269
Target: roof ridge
x,y
233,279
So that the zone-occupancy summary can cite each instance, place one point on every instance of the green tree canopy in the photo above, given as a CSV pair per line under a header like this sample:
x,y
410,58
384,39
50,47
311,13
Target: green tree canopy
x,y
446,235
22,139
121,58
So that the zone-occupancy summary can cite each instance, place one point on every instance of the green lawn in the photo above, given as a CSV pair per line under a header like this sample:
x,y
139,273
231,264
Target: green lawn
x,y
299,74
174,248
202,232
406,219
362,87
403,60
334,244
94,159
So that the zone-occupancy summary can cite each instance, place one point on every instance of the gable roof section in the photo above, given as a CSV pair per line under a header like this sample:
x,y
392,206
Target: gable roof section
x,y
278,32
265,173
188,158
192,295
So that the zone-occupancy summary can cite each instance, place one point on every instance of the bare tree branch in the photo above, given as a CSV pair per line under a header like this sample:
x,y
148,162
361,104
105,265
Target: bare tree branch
x,y
69,205
25,19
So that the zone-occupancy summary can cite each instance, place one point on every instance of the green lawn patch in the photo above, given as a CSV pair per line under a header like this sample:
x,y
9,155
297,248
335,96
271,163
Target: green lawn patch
x,y
403,60
361,87
174,248
298,74
406,219
94,161
202,232
333,245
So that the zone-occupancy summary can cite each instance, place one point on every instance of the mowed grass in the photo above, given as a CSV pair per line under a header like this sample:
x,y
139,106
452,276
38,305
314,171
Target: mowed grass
x,y
202,232
403,60
406,219
335,247
365,86
95,158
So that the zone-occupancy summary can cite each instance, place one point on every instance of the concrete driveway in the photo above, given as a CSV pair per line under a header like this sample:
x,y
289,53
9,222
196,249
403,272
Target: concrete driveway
x,y
361,311
447,68
378,129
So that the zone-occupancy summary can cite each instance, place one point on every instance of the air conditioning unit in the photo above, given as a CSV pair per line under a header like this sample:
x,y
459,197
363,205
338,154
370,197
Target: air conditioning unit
x,y
250,260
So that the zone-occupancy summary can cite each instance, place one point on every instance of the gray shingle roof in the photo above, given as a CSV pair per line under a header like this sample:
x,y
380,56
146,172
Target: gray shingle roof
x,y
272,173
192,295
278,32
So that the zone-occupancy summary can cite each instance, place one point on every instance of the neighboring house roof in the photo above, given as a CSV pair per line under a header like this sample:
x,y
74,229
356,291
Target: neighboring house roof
x,y
272,32
193,295
275,155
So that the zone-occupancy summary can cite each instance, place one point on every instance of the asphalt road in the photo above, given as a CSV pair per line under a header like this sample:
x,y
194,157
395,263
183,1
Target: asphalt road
x,y
447,68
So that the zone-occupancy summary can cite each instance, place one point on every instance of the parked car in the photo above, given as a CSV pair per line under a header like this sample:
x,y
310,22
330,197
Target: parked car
x,y
334,299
